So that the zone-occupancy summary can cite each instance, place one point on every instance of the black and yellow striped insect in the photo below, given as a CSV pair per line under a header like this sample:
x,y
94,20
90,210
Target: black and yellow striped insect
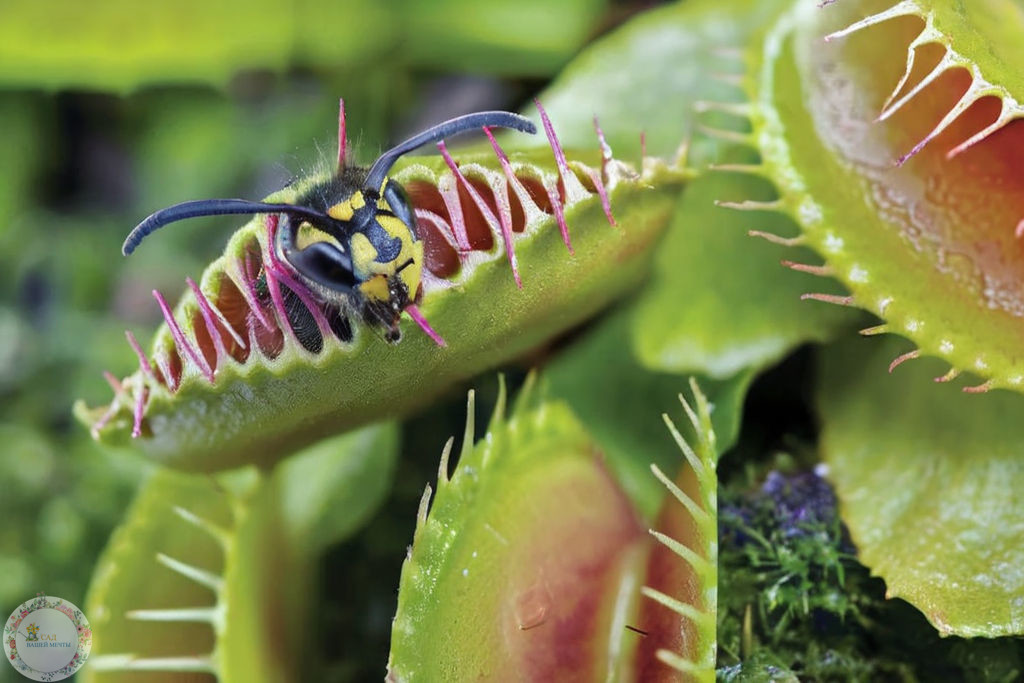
x,y
351,240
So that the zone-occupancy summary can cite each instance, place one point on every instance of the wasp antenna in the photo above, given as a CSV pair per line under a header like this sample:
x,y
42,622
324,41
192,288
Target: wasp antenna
x,y
493,119
213,207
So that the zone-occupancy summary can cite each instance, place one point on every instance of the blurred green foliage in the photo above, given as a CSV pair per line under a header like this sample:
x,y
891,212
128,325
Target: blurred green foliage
x,y
110,110
120,46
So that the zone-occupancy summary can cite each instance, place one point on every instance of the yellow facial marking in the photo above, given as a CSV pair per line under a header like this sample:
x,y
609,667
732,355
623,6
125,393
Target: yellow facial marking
x,y
413,250
307,235
343,211
364,257
412,273
376,288
394,227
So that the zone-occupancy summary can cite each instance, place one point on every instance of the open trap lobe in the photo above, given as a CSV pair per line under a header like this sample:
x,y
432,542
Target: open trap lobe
x,y
251,307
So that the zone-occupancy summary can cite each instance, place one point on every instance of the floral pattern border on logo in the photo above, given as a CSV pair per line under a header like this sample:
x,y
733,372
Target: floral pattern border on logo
x,y
24,611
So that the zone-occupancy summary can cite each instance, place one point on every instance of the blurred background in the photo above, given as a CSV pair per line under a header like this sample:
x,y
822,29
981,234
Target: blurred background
x,y
111,110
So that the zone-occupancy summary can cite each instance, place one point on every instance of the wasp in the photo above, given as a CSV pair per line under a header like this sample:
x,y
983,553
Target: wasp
x,y
352,239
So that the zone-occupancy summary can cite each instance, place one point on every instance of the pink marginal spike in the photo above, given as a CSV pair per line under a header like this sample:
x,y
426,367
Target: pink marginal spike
x,y
900,360
828,298
506,230
506,165
570,184
105,418
212,316
211,323
140,405
180,339
556,146
143,361
342,145
277,272
504,208
556,206
603,194
223,320
606,150
249,292
164,363
449,190
270,254
278,299
552,196
606,156
416,315
979,389
114,383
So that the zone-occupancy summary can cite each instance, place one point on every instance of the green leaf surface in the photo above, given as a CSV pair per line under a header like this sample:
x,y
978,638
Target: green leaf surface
x,y
527,561
621,403
718,301
930,482
648,75
266,595
331,489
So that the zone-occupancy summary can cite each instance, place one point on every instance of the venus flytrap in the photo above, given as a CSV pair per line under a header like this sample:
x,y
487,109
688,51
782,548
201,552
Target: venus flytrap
x,y
214,575
889,134
888,131
929,484
529,558
514,568
250,365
